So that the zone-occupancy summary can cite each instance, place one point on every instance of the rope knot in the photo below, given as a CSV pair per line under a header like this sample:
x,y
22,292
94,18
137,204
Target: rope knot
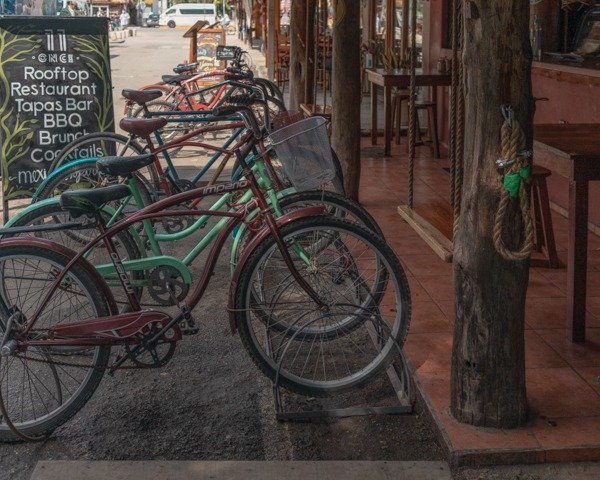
x,y
515,168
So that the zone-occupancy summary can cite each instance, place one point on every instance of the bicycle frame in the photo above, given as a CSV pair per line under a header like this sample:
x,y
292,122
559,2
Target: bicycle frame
x,y
157,211
163,147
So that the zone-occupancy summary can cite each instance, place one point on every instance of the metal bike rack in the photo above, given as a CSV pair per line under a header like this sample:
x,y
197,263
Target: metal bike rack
x,y
398,376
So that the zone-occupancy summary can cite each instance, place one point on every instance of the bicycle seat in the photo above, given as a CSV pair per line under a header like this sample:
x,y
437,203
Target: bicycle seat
x,y
85,202
174,79
141,96
185,67
142,127
123,166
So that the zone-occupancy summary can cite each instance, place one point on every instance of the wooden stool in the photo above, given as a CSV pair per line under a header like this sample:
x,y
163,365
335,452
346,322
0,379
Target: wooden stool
x,y
540,210
397,100
431,108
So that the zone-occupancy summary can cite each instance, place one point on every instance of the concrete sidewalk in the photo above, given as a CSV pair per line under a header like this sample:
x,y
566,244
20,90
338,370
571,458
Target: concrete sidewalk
x,y
76,470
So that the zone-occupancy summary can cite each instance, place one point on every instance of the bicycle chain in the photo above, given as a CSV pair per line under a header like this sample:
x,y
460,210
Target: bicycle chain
x,y
77,365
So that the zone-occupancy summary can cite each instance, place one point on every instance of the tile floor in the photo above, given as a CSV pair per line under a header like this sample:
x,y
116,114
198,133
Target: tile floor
x,y
563,378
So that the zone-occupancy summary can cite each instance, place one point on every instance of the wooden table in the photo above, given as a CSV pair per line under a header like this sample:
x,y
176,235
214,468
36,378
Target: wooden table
x,y
388,79
573,151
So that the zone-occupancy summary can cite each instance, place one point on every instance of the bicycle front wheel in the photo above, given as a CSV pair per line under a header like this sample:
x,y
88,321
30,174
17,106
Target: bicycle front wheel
x,y
362,285
43,387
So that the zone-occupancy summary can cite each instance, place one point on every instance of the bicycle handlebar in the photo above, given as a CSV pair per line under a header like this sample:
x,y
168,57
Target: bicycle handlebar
x,y
246,113
185,67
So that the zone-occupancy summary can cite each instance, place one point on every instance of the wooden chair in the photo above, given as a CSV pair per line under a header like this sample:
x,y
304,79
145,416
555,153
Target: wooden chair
x,y
540,209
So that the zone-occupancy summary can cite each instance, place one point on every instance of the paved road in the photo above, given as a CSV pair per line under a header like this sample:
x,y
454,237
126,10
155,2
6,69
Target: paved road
x,y
209,403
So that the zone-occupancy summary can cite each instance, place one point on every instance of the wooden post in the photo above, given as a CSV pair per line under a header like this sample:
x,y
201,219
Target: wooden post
x,y
347,92
405,22
548,10
488,359
297,54
193,55
311,58
390,24
272,31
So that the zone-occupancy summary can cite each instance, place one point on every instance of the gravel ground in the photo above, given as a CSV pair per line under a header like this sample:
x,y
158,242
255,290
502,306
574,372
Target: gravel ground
x,y
210,402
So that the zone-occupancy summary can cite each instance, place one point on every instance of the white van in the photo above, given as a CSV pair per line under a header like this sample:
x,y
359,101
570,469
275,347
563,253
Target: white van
x,y
187,14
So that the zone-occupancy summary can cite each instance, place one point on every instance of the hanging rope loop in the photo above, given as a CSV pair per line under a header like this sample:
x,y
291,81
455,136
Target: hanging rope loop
x,y
515,168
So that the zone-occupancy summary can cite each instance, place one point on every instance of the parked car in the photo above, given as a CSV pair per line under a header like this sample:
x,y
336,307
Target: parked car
x,y
187,14
152,20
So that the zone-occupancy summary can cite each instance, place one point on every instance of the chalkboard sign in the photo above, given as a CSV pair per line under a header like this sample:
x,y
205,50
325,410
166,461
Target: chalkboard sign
x,y
55,87
207,42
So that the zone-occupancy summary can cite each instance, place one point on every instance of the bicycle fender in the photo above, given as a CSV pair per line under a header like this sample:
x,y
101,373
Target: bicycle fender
x,y
57,172
109,211
44,244
259,237
28,209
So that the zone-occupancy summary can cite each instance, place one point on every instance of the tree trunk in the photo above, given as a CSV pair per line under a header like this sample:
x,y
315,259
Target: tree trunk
x,y
298,69
346,95
488,360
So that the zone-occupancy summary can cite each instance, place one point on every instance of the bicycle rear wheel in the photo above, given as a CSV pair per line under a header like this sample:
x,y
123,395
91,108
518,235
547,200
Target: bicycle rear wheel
x,y
347,276
43,387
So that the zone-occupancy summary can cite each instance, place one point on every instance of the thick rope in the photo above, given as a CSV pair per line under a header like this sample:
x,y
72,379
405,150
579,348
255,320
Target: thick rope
x,y
515,177
412,113
460,123
453,103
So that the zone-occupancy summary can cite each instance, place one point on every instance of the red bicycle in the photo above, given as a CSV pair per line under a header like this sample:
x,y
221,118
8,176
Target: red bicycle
x,y
321,304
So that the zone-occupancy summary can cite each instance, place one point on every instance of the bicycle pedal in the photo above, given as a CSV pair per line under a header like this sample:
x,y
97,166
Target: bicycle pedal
x,y
189,327
190,331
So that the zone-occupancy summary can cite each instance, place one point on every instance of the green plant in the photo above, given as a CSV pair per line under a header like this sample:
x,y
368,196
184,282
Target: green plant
x,y
94,51
15,133
393,60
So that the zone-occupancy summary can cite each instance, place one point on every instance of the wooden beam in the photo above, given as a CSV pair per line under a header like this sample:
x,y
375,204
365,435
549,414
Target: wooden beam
x,y
390,23
405,23
311,57
346,88
297,54
271,38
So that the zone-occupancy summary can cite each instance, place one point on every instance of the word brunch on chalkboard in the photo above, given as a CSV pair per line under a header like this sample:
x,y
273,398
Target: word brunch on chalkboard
x,y
55,86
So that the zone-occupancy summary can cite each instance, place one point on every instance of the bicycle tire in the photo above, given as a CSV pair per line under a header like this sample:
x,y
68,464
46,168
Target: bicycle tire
x,y
263,354
70,153
336,204
80,274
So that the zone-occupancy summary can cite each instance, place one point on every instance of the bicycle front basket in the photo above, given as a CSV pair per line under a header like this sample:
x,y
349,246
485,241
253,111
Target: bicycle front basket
x,y
304,150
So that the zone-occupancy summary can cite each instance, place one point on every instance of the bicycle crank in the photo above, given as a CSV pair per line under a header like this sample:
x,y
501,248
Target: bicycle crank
x,y
166,286
149,354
